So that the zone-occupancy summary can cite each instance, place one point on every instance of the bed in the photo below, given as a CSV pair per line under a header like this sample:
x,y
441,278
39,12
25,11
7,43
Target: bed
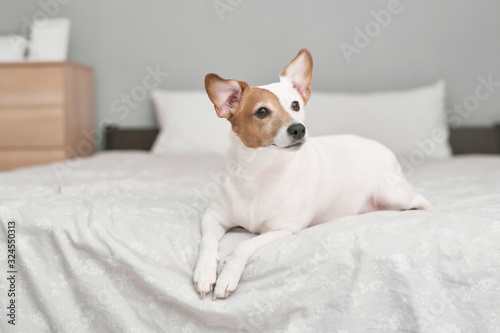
x,y
109,243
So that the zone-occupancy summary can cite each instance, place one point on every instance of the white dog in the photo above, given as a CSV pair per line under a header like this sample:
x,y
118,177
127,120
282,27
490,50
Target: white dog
x,y
286,181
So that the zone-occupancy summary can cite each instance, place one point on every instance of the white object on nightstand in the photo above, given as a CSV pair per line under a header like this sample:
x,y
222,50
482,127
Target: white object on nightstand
x,y
12,48
49,40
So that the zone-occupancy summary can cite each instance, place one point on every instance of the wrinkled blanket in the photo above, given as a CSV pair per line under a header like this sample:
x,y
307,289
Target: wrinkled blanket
x,y
109,243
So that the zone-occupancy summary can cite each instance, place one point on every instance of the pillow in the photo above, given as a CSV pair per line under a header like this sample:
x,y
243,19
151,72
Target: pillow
x,y
411,123
189,124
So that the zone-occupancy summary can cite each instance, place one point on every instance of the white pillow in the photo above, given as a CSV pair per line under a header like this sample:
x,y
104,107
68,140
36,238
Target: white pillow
x,y
189,124
411,123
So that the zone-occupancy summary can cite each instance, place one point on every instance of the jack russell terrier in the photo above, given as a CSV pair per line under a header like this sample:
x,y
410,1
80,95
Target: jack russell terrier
x,y
286,181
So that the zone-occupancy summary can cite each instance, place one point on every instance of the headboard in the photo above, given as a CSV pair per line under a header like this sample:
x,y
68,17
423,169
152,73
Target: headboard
x,y
130,138
466,140
475,140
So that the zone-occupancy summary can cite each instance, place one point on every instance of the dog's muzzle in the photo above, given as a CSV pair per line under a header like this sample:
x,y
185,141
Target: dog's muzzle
x,y
291,137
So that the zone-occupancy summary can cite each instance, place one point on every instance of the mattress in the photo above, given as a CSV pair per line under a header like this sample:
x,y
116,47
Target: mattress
x,y
109,243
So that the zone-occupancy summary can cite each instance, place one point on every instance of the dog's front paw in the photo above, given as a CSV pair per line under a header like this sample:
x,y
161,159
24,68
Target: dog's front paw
x,y
228,280
205,274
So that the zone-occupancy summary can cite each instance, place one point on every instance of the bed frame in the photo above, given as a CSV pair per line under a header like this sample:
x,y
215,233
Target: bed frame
x,y
467,140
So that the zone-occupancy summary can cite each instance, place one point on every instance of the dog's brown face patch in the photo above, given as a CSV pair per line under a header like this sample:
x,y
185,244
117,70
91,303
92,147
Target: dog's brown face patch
x,y
253,131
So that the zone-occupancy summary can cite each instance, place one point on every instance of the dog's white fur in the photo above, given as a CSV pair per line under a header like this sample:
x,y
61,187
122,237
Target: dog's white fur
x,y
278,191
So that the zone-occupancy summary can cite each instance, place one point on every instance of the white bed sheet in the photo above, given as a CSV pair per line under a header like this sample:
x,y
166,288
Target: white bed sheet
x,y
109,244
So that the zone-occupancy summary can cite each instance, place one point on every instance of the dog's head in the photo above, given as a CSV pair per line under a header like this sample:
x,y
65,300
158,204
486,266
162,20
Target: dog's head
x,y
270,115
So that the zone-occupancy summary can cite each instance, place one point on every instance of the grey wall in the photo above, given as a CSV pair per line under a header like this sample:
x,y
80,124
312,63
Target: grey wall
x,y
425,40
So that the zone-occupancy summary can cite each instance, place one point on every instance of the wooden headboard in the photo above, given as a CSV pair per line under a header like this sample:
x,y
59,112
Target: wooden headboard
x,y
475,140
466,140
130,138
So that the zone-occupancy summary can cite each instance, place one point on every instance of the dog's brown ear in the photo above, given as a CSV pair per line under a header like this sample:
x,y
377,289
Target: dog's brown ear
x,y
225,94
299,72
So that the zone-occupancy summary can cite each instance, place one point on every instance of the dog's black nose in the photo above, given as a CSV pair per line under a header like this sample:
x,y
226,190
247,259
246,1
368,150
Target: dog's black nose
x,y
297,131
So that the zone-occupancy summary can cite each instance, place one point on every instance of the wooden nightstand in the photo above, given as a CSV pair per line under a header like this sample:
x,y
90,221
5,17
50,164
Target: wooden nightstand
x,y
46,112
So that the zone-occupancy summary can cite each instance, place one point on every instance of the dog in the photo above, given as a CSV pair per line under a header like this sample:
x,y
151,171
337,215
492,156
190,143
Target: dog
x,y
285,180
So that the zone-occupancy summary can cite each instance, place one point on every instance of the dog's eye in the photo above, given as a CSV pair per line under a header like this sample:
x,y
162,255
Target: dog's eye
x,y
262,113
295,106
